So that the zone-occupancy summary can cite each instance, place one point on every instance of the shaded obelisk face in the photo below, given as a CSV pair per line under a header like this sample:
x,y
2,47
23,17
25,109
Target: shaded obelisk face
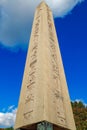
x,y
44,94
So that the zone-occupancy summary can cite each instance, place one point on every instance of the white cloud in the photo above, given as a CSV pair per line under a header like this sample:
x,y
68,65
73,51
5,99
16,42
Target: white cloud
x,y
62,7
16,18
8,119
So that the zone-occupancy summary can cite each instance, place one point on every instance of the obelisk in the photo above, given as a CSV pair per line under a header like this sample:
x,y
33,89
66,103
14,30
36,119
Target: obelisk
x,y
44,98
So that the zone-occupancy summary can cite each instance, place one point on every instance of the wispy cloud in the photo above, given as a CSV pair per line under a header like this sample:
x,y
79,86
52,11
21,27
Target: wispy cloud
x,y
11,107
16,19
8,119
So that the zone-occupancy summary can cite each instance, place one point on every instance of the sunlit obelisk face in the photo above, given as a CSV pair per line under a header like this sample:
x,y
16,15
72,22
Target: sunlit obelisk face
x,y
44,94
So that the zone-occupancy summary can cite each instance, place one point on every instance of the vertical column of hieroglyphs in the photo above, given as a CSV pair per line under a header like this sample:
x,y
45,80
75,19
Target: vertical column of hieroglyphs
x,y
27,102
69,120
31,86
56,88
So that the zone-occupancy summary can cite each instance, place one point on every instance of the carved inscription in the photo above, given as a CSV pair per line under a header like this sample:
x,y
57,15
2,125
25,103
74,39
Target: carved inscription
x,y
58,100
33,56
29,98
52,48
27,115
60,112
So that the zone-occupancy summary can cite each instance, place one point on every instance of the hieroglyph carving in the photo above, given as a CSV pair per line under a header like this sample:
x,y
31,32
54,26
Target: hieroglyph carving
x,y
29,98
56,90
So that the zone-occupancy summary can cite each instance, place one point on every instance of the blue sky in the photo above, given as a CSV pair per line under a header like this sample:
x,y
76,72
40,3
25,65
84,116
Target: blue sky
x,y
71,27
72,35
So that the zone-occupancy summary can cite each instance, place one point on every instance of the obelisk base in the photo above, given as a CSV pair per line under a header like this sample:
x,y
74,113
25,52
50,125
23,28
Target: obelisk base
x,y
44,126
48,126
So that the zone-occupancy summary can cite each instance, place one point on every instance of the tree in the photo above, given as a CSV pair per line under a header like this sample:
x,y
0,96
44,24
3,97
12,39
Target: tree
x,y
80,115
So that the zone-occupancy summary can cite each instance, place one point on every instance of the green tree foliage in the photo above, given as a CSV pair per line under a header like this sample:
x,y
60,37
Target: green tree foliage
x,y
11,128
80,115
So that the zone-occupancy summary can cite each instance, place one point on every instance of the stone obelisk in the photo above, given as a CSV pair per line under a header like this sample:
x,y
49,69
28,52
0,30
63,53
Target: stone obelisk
x,y
44,98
